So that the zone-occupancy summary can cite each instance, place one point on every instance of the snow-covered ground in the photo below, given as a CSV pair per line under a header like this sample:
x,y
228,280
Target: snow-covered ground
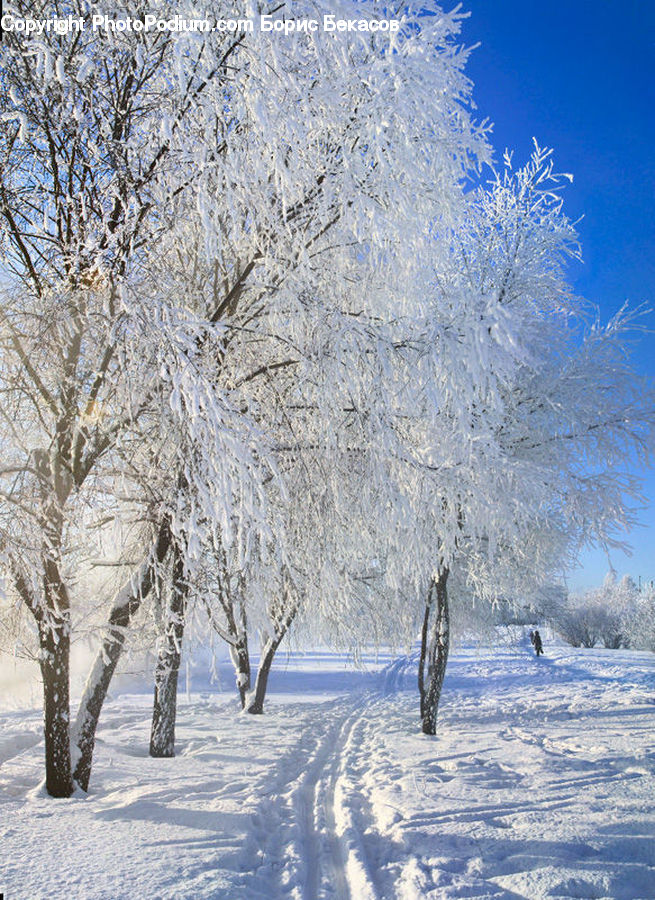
x,y
541,783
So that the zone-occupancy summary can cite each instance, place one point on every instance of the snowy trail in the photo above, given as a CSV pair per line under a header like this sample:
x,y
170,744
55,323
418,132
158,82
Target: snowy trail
x,y
350,820
385,813
539,785
321,805
314,827
301,811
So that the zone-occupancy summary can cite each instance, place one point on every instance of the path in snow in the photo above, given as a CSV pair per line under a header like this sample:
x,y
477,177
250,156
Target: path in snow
x,y
540,784
314,830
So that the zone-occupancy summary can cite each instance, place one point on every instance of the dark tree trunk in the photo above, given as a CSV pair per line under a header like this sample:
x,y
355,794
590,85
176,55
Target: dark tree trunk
x,y
97,686
164,712
241,659
438,645
283,620
125,608
256,704
424,647
51,611
54,643
55,669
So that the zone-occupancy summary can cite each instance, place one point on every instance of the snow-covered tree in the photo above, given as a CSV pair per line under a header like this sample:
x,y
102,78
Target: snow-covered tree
x,y
529,411
606,614
641,625
285,151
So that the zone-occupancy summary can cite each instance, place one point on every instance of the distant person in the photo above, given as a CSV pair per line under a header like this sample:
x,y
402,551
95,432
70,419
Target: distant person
x,y
536,643
532,638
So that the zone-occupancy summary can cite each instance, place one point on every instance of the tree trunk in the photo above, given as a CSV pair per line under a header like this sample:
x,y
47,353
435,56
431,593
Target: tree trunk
x,y
232,600
437,655
256,704
164,712
95,690
241,660
54,640
283,621
126,605
51,612
424,647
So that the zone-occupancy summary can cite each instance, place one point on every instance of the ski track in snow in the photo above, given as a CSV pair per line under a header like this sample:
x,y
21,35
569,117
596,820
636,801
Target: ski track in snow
x,y
539,784
321,806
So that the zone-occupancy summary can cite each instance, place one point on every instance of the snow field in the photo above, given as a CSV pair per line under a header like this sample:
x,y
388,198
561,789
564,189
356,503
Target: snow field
x,y
540,784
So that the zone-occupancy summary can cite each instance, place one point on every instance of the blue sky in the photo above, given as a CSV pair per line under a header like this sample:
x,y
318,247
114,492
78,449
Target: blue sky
x,y
580,77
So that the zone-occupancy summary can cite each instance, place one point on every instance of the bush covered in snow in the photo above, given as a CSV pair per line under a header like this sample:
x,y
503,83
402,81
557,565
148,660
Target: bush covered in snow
x,y
606,615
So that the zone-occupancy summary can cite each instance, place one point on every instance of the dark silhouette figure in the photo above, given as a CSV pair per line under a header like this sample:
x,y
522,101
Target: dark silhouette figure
x,y
536,641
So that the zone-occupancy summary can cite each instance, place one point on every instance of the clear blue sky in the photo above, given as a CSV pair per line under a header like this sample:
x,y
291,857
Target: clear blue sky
x,y
580,77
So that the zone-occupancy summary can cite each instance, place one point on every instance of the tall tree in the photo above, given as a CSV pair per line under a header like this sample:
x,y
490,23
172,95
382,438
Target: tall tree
x,y
285,151
528,411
